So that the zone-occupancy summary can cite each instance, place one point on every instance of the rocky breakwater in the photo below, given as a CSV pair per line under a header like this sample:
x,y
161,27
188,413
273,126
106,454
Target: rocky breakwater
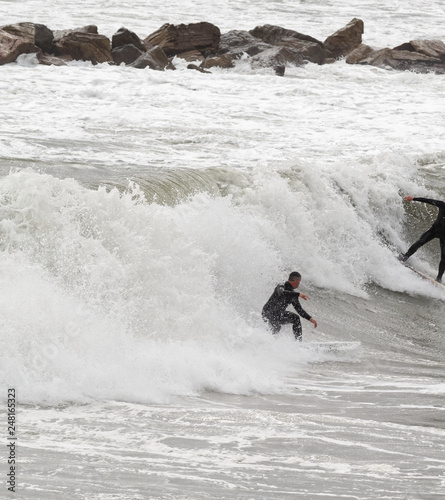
x,y
204,47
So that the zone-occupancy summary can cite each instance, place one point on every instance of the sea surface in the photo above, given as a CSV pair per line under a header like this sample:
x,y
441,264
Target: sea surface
x,y
145,218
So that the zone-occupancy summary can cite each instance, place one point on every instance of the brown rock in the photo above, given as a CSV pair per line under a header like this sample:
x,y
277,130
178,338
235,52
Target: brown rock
x,y
401,60
84,47
274,34
238,42
310,51
223,61
345,39
310,48
12,46
126,54
126,37
198,68
175,39
155,58
277,58
91,28
38,34
359,53
430,48
191,55
48,60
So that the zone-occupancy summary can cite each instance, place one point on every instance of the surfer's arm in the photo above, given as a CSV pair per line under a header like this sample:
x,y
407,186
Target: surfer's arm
x,y
300,310
436,203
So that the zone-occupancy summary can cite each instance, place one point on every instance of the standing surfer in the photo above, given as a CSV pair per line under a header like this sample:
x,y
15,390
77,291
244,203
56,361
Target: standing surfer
x,y
437,230
274,312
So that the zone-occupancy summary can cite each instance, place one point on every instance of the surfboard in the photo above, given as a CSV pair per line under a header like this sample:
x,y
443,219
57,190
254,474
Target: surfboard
x,y
425,277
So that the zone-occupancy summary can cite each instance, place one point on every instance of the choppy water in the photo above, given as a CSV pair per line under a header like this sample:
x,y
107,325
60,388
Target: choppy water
x,y
145,218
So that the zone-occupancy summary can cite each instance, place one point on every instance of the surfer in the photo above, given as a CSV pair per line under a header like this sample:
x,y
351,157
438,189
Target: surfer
x,y
437,230
274,312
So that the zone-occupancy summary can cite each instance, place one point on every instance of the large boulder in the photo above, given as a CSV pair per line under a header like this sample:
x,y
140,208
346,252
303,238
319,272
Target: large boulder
x,y
274,34
126,37
126,54
239,42
402,60
359,53
345,39
12,46
49,60
430,48
174,39
234,44
38,34
277,58
154,58
310,48
84,46
91,28
191,56
222,61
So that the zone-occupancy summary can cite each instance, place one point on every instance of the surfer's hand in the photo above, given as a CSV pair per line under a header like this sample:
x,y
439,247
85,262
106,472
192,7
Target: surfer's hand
x,y
303,296
408,198
312,320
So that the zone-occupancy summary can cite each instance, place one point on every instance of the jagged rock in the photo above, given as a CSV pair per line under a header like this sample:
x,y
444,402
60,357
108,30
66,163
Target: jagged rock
x,y
191,55
49,60
430,48
12,46
274,34
175,39
91,28
223,61
126,37
38,34
345,39
359,53
154,58
310,48
84,46
197,68
238,42
310,51
277,58
401,60
126,54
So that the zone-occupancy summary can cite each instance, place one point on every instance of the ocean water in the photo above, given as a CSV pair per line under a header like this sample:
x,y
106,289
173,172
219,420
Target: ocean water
x,y
145,218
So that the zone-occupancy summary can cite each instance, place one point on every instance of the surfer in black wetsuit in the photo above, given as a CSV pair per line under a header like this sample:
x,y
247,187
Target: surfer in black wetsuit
x,y
274,312
437,230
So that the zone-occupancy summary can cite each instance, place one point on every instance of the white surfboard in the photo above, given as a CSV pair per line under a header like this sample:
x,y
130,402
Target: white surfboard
x,y
425,277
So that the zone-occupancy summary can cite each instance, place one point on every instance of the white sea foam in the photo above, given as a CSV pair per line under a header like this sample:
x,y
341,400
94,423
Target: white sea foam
x,y
98,304
106,295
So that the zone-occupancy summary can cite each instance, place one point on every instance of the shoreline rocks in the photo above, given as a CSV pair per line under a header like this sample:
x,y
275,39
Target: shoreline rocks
x,y
203,45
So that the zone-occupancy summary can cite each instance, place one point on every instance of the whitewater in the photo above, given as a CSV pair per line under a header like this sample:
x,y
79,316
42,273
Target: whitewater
x,y
145,219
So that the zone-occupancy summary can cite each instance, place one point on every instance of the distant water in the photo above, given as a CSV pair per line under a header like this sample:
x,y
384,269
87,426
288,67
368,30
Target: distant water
x,y
145,218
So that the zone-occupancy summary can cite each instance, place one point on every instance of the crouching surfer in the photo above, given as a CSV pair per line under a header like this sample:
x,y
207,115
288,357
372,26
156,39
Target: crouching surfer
x,y
274,312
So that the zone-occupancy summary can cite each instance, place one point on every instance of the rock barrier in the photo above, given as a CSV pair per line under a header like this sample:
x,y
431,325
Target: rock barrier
x,y
204,47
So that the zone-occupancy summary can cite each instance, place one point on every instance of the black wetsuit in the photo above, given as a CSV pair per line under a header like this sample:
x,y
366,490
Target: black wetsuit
x,y
274,312
437,230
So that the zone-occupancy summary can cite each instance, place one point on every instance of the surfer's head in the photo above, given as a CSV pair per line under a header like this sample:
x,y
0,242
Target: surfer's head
x,y
294,279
